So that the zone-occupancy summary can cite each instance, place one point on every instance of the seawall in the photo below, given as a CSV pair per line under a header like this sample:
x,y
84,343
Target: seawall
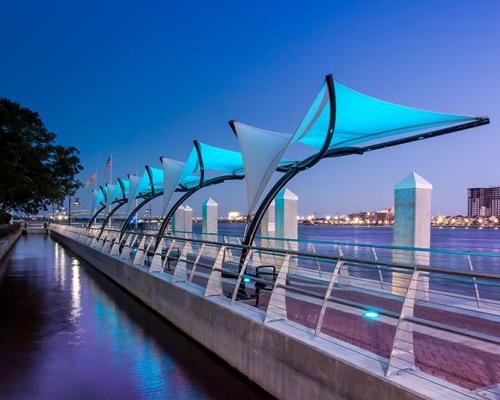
x,y
6,242
283,361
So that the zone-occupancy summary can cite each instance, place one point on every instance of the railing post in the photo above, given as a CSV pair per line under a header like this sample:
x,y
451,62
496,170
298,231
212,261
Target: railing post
x,y
380,276
240,275
94,241
318,264
214,284
196,261
328,293
104,239
344,276
276,309
115,250
92,236
139,255
106,247
125,254
228,250
169,250
180,273
402,356
474,281
156,264
148,247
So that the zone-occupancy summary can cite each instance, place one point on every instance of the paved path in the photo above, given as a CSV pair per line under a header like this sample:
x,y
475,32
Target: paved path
x,y
460,363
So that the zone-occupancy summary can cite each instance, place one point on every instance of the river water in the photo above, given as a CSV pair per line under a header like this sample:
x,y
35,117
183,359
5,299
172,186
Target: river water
x,y
474,240
67,332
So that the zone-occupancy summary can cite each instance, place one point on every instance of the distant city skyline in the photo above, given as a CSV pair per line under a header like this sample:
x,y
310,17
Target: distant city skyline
x,y
183,72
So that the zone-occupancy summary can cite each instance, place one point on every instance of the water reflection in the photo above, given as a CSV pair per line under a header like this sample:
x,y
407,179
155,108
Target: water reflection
x,y
75,289
70,333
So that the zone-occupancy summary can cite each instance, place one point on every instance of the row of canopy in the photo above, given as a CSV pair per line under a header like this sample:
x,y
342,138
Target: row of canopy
x,y
356,120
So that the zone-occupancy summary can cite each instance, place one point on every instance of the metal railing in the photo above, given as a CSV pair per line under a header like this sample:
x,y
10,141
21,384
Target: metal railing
x,y
414,308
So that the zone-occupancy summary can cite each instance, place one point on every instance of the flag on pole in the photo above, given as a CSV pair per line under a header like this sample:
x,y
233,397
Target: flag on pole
x,y
108,166
92,179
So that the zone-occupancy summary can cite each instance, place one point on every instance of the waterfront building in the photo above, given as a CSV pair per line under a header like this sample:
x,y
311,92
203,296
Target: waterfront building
x,y
234,216
384,216
483,202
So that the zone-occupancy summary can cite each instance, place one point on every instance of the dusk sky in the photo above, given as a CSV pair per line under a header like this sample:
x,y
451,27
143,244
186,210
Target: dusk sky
x,y
143,79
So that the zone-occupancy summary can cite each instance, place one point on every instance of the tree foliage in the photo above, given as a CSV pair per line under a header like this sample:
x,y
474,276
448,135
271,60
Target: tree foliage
x,y
34,171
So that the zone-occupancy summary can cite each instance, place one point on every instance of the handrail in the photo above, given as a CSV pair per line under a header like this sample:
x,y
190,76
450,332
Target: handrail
x,y
353,244
408,267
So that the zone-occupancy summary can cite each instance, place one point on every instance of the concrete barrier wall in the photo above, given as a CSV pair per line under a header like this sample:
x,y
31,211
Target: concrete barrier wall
x,y
6,243
283,365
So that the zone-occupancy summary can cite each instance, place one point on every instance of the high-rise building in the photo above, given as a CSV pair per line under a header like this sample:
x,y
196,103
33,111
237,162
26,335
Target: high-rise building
x,y
483,202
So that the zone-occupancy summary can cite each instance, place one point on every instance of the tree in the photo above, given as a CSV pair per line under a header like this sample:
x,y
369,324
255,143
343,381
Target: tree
x,y
34,171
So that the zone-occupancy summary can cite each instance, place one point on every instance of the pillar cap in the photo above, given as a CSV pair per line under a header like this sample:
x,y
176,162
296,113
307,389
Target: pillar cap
x,y
210,202
287,194
188,208
413,181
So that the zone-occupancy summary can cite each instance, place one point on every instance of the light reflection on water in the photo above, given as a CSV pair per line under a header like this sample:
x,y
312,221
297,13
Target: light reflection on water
x,y
75,289
69,333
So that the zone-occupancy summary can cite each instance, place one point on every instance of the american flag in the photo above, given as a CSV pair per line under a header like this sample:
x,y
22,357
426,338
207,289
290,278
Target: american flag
x,y
107,166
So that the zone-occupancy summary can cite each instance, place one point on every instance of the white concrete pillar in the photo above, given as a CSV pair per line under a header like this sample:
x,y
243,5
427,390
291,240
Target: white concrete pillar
x,y
210,215
287,204
188,219
412,228
268,223
178,220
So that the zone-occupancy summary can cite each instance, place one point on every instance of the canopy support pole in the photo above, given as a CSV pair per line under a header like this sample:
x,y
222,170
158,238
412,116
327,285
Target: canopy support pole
x,y
294,170
135,210
110,214
95,216
187,195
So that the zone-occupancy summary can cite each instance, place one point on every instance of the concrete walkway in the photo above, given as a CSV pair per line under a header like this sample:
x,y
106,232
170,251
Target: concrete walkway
x,y
466,362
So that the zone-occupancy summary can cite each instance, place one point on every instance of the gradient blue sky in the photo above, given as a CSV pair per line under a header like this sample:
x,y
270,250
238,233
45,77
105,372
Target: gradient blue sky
x,y
143,79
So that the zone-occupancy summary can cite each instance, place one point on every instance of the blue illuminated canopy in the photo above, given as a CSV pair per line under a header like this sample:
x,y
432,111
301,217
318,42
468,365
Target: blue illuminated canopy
x,y
361,119
99,198
214,159
120,192
150,183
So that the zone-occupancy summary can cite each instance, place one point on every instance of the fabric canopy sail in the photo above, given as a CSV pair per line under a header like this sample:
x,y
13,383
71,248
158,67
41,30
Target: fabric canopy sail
x,y
187,174
99,198
118,192
111,194
262,151
134,181
125,186
214,159
222,160
172,170
149,184
359,119
156,178
363,119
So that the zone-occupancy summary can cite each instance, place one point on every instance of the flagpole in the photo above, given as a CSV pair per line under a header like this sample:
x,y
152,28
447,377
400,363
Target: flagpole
x,y
111,168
